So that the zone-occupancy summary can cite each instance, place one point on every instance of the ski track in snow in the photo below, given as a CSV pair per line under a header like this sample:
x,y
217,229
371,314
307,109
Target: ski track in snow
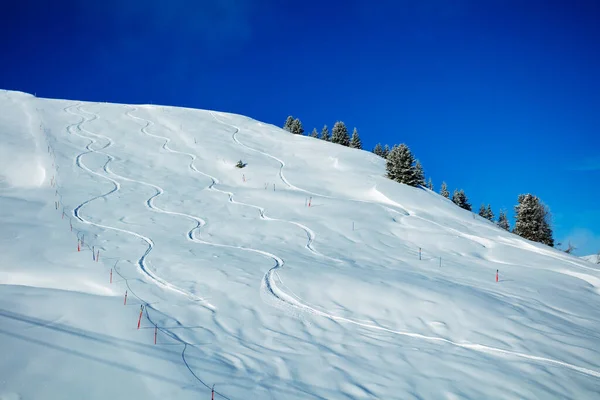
x,y
402,211
147,240
269,285
77,210
279,262
309,233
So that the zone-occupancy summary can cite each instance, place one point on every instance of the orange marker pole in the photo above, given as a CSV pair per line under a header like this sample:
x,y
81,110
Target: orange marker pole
x,y
125,302
140,318
78,246
496,275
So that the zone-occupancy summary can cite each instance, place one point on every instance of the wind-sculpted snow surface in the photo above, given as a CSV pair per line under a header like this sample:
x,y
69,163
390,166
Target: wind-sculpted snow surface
x,y
377,290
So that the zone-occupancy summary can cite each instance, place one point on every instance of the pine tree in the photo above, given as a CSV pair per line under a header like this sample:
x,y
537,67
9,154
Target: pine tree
x,y
288,123
482,211
430,184
355,142
378,150
503,221
466,204
386,151
489,214
533,220
419,176
460,199
297,128
339,134
444,190
325,134
400,166
314,133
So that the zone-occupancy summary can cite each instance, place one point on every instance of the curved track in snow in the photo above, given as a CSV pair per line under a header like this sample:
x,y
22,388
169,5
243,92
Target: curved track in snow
x,y
147,240
269,284
142,263
309,233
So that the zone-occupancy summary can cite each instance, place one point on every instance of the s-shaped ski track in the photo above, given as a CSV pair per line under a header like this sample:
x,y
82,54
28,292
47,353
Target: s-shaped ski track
x,y
270,286
142,263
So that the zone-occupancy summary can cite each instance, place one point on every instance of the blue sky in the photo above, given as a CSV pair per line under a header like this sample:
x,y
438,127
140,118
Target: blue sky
x,y
496,97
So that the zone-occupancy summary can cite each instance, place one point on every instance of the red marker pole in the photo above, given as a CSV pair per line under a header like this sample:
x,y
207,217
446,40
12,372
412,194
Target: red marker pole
x,y
78,246
140,318
496,275
155,332
213,392
125,302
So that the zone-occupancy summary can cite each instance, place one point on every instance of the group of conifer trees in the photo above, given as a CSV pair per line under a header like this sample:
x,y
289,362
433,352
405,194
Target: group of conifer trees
x,y
339,133
532,217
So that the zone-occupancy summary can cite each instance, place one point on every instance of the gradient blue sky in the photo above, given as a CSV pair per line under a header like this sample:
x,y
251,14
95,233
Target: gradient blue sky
x,y
496,97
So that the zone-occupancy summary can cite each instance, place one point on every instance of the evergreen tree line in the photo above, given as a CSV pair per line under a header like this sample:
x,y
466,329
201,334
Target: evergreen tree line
x,y
532,217
339,133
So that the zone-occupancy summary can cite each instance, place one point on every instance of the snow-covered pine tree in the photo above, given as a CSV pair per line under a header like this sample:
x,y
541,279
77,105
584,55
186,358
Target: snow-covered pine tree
x,y
444,190
386,151
419,175
297,128
325,134
532,220
482,211
339,134
400,165
314,133
460,199
547,235
355,142
503,221
466,204
456,198
489,214
430,184
288,123
378,150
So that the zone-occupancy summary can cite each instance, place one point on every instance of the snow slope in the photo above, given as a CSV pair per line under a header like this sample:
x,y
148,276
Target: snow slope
x,y
593,258
249,288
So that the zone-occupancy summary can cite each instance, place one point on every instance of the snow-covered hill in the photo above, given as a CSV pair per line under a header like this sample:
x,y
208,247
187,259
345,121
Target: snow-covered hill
x,y
594,258
374,291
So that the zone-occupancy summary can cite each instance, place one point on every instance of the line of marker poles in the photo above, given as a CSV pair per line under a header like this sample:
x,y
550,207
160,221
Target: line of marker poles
x,y
420,252
96,257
